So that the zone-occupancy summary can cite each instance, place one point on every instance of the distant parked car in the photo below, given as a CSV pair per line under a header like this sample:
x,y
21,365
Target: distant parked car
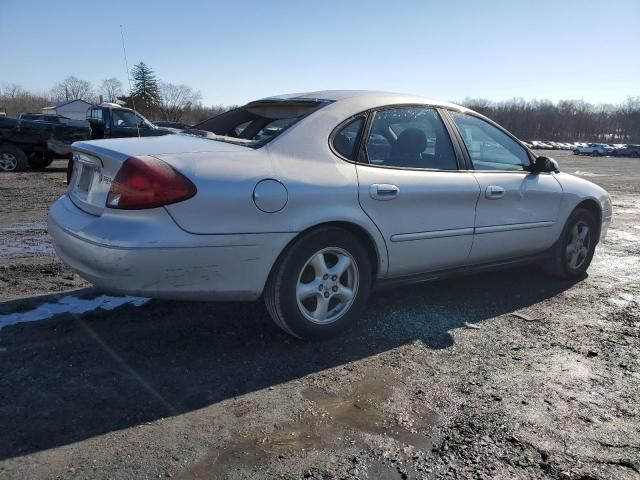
x,y
627,151
169,124
41,117
537,144
594,149
526,144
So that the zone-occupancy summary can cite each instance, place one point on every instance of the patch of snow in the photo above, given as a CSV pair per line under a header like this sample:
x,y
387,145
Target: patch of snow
x,y
24,227
69,304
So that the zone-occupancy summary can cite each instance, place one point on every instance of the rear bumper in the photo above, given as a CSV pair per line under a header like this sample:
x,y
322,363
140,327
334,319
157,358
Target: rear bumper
x,y
147,254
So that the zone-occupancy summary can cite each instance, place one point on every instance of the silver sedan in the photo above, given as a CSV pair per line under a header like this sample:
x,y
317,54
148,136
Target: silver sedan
x,y
310,200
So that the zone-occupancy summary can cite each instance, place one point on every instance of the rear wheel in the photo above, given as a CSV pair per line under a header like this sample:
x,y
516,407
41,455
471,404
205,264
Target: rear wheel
x,y
635,154
574,251
12,159
595,153
38,161
576,152
320,285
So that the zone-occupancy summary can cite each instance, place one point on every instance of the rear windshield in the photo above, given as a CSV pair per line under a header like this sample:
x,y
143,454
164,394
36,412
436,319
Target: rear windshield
x,y
256,123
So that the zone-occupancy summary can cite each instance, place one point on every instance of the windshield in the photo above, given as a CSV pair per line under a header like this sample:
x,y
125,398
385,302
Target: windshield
x,y
257,123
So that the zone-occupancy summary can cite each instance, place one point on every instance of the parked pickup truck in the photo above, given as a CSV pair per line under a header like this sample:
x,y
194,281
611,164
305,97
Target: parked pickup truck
x,y
25,143
110,120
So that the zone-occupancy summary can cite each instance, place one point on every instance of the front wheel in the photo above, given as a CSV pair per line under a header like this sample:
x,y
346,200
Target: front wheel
x,y
320,285
574,250
12,159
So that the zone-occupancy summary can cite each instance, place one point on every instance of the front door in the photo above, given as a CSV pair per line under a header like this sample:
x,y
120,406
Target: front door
x,y
516,208
410,186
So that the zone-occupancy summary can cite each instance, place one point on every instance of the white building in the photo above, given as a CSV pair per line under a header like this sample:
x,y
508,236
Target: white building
x,y
74,109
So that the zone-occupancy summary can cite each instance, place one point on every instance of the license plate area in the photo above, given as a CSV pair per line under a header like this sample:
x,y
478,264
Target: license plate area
x,y
86,189
87,172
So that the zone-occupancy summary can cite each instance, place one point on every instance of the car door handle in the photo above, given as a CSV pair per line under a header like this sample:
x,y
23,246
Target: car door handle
x,y
383,191
493,192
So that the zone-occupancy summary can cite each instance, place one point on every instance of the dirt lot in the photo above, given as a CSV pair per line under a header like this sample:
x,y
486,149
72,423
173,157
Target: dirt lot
x,y
506,375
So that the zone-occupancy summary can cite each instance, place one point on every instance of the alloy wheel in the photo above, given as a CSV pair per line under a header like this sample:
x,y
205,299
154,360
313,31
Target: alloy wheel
x,y
327,285
8,162
578,245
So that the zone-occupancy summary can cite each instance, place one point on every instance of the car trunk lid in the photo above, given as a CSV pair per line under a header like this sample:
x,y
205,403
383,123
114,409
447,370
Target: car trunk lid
x,y
96,163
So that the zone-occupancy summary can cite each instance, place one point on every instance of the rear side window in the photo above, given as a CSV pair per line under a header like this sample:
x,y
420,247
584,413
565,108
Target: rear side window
x,y
489,147
258,122
345,142
410,137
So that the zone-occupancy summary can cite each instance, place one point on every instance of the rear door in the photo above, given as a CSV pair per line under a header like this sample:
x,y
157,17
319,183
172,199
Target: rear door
x,y
412,189
516,208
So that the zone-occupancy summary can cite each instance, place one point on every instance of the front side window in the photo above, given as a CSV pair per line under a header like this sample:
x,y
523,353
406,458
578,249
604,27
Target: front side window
x,y
124,118
346,140
410,137
489,147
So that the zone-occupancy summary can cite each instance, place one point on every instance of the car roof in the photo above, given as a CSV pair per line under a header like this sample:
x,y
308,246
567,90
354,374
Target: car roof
x,y
375,97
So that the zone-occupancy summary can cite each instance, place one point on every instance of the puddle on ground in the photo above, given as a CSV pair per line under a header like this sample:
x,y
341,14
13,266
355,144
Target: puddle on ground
x,y
361,410
338,421
69,304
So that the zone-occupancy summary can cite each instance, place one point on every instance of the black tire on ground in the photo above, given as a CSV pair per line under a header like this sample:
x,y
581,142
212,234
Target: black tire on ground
x,y
39,161
576,152
595,153
635,154
12,159
281,292
560,264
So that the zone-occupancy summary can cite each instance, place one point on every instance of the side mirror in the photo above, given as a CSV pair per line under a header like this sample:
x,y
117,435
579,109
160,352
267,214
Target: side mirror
x,y
545,165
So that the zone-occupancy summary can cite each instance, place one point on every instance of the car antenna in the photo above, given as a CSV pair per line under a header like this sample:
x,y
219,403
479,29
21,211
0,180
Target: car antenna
x,y
126,65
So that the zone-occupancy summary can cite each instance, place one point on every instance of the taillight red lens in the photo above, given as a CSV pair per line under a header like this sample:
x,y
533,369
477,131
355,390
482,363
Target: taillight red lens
x,y
69,170
146,182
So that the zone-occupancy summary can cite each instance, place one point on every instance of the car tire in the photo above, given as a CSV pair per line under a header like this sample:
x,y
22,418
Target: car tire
x,y
307,296
572,253
595,153
576,152
635,154
40,161
12,159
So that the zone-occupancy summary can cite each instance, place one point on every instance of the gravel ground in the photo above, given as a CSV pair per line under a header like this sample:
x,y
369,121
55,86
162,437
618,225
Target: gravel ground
x,y
508,375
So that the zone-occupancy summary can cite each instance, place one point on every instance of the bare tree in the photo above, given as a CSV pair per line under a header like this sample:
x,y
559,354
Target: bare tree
x,y
175,100
72,88
110,89
14,100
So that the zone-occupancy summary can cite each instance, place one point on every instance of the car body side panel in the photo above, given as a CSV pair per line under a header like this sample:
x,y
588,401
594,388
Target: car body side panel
x,y
429,224
577,190
521,221
320,189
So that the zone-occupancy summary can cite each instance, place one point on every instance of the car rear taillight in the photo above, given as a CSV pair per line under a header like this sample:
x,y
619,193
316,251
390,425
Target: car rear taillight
x,y
146,182
69,170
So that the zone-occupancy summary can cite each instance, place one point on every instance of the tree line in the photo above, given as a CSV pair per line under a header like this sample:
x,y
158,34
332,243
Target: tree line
x,y
155,99
566,120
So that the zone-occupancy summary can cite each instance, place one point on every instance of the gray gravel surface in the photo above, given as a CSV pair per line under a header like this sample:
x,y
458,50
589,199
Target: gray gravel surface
x,y
507,375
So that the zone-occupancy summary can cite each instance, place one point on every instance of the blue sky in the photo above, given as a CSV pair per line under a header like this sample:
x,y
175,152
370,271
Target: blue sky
x,y
237,51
